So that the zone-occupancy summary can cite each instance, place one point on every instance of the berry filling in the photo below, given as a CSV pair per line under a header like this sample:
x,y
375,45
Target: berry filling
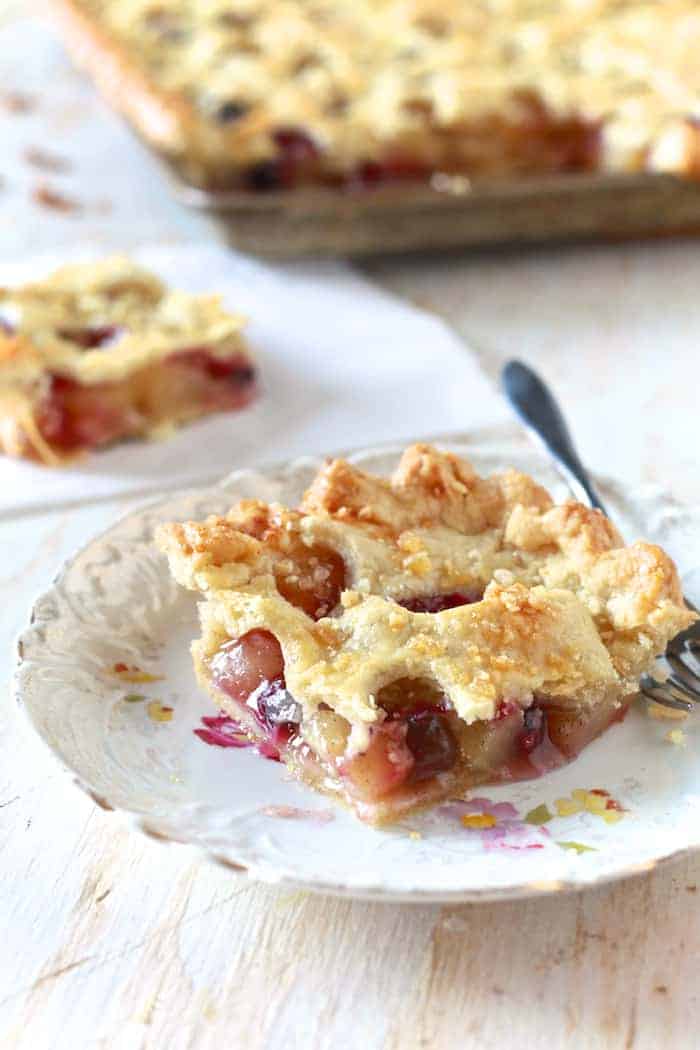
x,y
296,161
535,143
237,369
370,175
295,146
432,744
534,729
420,748
276,706
73,416
435,603
251,672
222,731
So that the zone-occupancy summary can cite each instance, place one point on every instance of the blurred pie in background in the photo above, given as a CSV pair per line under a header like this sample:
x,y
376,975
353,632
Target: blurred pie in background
x,y
103,351
270,94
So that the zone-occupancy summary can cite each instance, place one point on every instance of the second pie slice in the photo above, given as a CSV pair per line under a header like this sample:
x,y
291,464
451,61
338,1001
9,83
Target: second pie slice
x,y
99,352
396,642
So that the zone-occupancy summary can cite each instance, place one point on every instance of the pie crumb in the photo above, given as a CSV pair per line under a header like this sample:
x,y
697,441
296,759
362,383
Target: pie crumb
x,y
478,820
676,737
660,712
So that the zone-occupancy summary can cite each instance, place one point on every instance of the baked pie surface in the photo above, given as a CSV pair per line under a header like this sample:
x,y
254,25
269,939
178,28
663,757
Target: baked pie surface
x,y
268,94
100,351
397,641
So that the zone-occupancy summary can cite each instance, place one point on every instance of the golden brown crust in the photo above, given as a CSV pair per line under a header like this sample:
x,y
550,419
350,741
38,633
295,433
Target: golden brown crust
x,y
161,118
504,88
425,490
216,552
567,609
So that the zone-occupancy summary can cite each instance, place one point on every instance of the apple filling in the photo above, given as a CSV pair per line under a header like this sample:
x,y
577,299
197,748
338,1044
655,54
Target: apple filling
x,y
72,416
419,752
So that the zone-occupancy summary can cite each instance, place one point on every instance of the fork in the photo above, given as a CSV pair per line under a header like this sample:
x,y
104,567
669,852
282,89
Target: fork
x,y
678,682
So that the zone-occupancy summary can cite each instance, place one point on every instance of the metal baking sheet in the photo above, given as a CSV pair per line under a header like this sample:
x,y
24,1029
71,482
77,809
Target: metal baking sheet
x,y
450,212
421,218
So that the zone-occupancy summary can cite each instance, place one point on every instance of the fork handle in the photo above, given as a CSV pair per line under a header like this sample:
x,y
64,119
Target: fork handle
x,y
535,405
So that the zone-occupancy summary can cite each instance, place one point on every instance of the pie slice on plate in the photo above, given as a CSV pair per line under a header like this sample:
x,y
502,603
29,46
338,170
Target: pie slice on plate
x,y
102,351
395,642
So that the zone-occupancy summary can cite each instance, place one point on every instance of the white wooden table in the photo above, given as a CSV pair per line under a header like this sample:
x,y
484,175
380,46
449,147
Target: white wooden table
x,y
112,941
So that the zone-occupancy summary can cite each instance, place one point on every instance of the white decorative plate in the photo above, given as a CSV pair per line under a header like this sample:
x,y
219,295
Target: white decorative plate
x,y
115,603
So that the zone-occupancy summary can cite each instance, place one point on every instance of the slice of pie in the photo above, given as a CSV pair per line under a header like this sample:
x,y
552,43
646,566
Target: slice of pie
x,y
275,95
103,351
397,642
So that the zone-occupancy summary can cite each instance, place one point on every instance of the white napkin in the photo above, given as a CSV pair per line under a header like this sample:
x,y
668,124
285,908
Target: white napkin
x,y
342,363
